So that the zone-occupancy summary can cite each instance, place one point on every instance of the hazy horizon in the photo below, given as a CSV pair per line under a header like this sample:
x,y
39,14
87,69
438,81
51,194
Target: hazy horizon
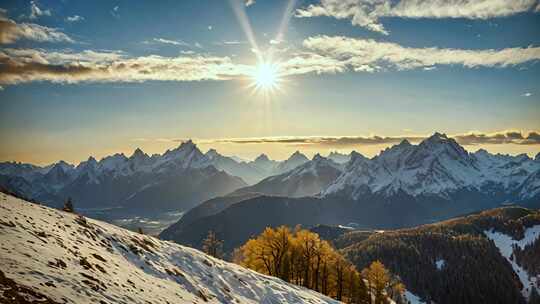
x,y
246,152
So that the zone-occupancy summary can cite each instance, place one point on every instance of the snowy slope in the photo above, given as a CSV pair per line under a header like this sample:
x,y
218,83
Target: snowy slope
x,y
506,244
412,298
339,157
295,160
307,179
46,252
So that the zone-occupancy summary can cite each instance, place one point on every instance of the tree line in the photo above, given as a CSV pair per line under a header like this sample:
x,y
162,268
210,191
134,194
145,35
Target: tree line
x,y
300,257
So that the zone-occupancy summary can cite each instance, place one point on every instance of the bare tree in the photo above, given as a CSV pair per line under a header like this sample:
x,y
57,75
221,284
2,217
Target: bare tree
x,y
212,245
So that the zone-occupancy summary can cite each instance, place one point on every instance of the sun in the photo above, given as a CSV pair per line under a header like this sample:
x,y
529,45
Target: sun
x,y
266,76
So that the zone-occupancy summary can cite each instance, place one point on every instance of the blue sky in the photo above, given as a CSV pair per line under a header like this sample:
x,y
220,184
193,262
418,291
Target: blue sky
x,y
345,71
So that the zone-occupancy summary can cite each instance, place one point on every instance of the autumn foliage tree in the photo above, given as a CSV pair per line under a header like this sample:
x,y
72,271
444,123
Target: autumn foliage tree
x,y
300,257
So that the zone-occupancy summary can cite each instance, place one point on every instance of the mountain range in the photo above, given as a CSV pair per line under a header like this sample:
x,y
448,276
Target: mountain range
x,y
177,180
403,186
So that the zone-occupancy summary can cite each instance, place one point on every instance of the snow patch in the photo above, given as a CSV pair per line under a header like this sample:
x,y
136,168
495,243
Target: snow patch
x,y
440,264
505,244
412,298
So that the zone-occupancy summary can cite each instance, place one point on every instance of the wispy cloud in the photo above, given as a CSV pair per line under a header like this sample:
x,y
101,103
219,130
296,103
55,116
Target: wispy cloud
x,y
320,55
527,94
366,13
232,42
27,65
11,31
249,2
36,12
307,62
473,138
169,41
74,18
115,12
370,55
504,137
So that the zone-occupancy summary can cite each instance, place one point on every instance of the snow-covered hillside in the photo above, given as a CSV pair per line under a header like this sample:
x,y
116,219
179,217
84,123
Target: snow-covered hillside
x,y
307,179
506,245
50,254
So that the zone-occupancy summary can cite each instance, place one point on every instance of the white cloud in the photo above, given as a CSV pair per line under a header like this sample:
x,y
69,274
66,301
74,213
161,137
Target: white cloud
x,y
319,55
115,12
305,63
366,13
527,94
371,55
36,12
75,18
169,41
249,2
233,42
28,65
10,31
210,27
471,138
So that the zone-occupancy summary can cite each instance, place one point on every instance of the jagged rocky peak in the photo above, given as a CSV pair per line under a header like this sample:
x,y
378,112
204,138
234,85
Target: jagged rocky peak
x,y
138,153
522,157
262,158
188,144
482,152
90,163
404,143
356,156
338,157
435,140
212,153
64,165
317,158
297,158
186,148
57,169
440,143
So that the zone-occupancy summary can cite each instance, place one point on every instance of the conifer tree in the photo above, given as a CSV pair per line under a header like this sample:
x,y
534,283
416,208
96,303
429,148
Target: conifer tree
x,y
212,245
68,206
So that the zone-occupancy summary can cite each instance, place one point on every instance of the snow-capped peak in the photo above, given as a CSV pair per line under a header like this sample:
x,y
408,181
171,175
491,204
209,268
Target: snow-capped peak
x,y
317,157
297,156
212,153
295,160
262,158
438,165
89,164
339,157
138,154
64,165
